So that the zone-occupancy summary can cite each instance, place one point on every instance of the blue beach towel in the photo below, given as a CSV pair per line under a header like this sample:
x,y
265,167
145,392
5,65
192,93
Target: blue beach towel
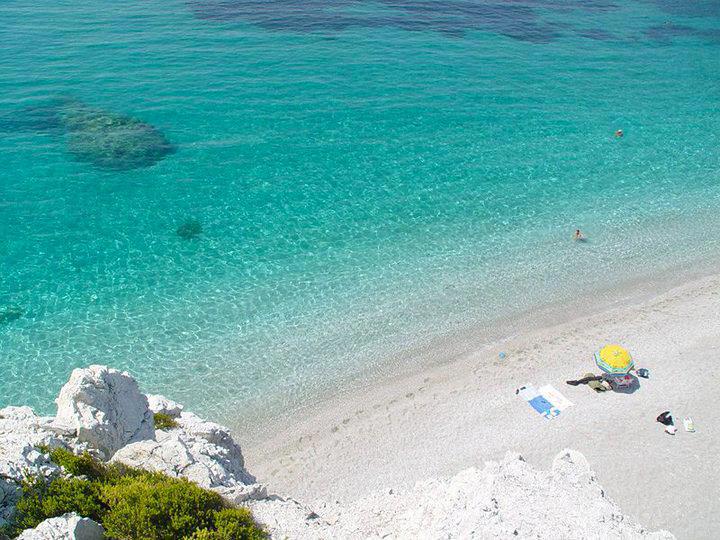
x,y
537,401
544,407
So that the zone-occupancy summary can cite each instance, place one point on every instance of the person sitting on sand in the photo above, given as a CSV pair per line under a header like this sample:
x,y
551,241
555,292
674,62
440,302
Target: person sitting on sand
x,y
578,235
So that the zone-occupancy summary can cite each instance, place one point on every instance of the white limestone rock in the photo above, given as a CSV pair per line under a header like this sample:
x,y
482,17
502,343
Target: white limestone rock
x,y
105,408
66,527
203,452
509,499
21,432
161,404
216,440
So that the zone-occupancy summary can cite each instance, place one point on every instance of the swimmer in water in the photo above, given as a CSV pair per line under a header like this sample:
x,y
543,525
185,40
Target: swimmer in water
x,y
619,133
578,235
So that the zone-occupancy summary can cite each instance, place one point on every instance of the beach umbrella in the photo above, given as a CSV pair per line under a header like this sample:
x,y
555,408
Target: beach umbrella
x,y
614,360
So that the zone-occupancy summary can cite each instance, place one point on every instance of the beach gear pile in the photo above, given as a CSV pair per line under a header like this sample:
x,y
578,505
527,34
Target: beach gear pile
x,y
666,419
616,364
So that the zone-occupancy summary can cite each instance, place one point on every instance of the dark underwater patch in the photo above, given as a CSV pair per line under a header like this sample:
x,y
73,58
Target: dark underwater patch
x,y
113,142
10,313
517,19
106,140
596,34
42,117
190,229
665,33
689,8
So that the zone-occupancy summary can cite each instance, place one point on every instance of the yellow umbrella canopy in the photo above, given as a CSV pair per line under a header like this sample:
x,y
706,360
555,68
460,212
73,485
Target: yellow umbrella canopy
x,y
614,360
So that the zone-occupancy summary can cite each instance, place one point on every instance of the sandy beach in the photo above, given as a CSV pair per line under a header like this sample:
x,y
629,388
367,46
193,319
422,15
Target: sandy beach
x,y
436,421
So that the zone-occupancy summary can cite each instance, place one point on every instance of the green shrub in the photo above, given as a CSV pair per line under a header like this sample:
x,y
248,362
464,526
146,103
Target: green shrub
x,y
42,448
131,503
82,465
232,524
157,507
238,524
5,531
42,500
164,421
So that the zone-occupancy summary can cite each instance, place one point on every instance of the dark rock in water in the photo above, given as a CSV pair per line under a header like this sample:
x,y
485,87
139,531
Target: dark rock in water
x,y
598,34
112,141
666,33
190,229
10,313
44,118
106,140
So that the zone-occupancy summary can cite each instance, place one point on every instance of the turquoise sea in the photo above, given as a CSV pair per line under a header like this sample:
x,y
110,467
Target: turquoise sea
x,y
249,203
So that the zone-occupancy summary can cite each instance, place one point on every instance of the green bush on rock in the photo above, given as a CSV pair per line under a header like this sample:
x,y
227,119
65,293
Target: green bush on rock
x,y
155,506
164,421
82,465
231,524
42,500
131,503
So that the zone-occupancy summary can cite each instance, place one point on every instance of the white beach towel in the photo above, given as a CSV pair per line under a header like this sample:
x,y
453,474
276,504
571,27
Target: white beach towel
x,y
537,401
554,396
527,392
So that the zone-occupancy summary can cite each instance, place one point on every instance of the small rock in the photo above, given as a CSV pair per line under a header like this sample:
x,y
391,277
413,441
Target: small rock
x,y
66,527
190,229
10,313
161,404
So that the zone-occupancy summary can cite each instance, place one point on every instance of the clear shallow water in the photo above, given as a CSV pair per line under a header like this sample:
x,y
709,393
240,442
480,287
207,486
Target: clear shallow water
x,y
369,176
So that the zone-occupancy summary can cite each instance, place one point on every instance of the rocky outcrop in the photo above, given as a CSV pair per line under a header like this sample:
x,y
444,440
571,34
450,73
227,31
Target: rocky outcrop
x,y
161,404
22,433
66,527
201,451
509,499
105,408
102,410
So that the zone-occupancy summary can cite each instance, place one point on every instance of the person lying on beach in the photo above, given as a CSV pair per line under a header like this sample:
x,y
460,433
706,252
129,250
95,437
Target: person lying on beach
x,y
578,235
588,377
596,382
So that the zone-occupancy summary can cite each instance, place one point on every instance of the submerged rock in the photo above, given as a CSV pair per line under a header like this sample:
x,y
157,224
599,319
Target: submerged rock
x,y
105,408
112,141
190,229
42,117
66,527
10,313
104,139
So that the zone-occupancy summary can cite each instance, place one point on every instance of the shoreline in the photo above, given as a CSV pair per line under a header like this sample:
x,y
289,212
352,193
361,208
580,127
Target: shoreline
x,y
438,419
265,420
